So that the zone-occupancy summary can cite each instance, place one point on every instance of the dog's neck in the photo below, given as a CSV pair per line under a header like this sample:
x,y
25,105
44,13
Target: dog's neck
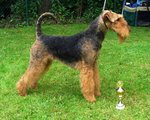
x,y
98,25
102,25
97,30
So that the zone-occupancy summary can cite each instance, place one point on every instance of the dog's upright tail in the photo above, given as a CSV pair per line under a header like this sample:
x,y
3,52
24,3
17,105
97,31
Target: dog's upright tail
x,y
39,21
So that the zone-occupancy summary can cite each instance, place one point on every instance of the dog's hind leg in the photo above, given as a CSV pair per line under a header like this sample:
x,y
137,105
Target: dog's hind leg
x,y
36,71
32,75
39,63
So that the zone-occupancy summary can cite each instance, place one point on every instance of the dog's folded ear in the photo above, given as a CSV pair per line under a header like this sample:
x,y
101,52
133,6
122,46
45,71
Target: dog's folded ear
x,y
109,16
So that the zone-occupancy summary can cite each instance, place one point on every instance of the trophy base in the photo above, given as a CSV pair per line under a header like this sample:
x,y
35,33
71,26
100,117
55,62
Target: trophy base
x,y
120,106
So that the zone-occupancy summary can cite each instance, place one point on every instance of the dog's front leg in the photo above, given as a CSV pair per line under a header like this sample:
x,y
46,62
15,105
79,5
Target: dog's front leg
x,y
96,81
87,82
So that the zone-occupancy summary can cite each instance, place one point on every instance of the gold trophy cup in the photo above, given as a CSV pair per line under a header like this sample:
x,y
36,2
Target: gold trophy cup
x,y
120,92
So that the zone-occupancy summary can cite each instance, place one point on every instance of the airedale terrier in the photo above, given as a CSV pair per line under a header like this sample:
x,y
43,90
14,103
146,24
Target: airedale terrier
x,y
79,51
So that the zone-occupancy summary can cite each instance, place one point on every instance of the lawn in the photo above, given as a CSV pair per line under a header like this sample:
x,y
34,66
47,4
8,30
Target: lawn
x,y
58,96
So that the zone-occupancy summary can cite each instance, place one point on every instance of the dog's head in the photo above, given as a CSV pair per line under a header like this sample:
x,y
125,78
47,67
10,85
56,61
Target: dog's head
x,y
117,23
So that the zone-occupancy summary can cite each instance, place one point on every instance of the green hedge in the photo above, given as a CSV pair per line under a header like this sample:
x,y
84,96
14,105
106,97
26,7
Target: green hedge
x,y
67,11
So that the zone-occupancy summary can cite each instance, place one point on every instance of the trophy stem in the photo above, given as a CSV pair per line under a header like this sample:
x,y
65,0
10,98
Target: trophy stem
x,y
120,92
120,105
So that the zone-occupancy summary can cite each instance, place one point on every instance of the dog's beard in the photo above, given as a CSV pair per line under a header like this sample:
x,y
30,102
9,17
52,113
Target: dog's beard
x,y
121,38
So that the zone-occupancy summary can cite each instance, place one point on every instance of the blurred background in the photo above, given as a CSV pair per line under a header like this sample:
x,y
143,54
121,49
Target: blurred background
x,y
25,12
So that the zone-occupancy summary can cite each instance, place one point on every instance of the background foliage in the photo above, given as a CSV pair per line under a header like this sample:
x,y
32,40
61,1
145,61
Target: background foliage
x,y
15,12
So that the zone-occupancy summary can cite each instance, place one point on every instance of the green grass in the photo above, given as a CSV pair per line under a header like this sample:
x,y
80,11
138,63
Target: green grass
x,y
58,96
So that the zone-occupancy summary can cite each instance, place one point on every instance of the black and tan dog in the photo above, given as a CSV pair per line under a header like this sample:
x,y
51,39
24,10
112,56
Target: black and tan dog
x,y
79,51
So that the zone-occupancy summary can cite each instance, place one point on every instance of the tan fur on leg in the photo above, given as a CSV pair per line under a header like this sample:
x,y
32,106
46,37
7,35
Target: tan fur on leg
x,y
96,81
87,82
39,63
37,72
32,75
21,85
